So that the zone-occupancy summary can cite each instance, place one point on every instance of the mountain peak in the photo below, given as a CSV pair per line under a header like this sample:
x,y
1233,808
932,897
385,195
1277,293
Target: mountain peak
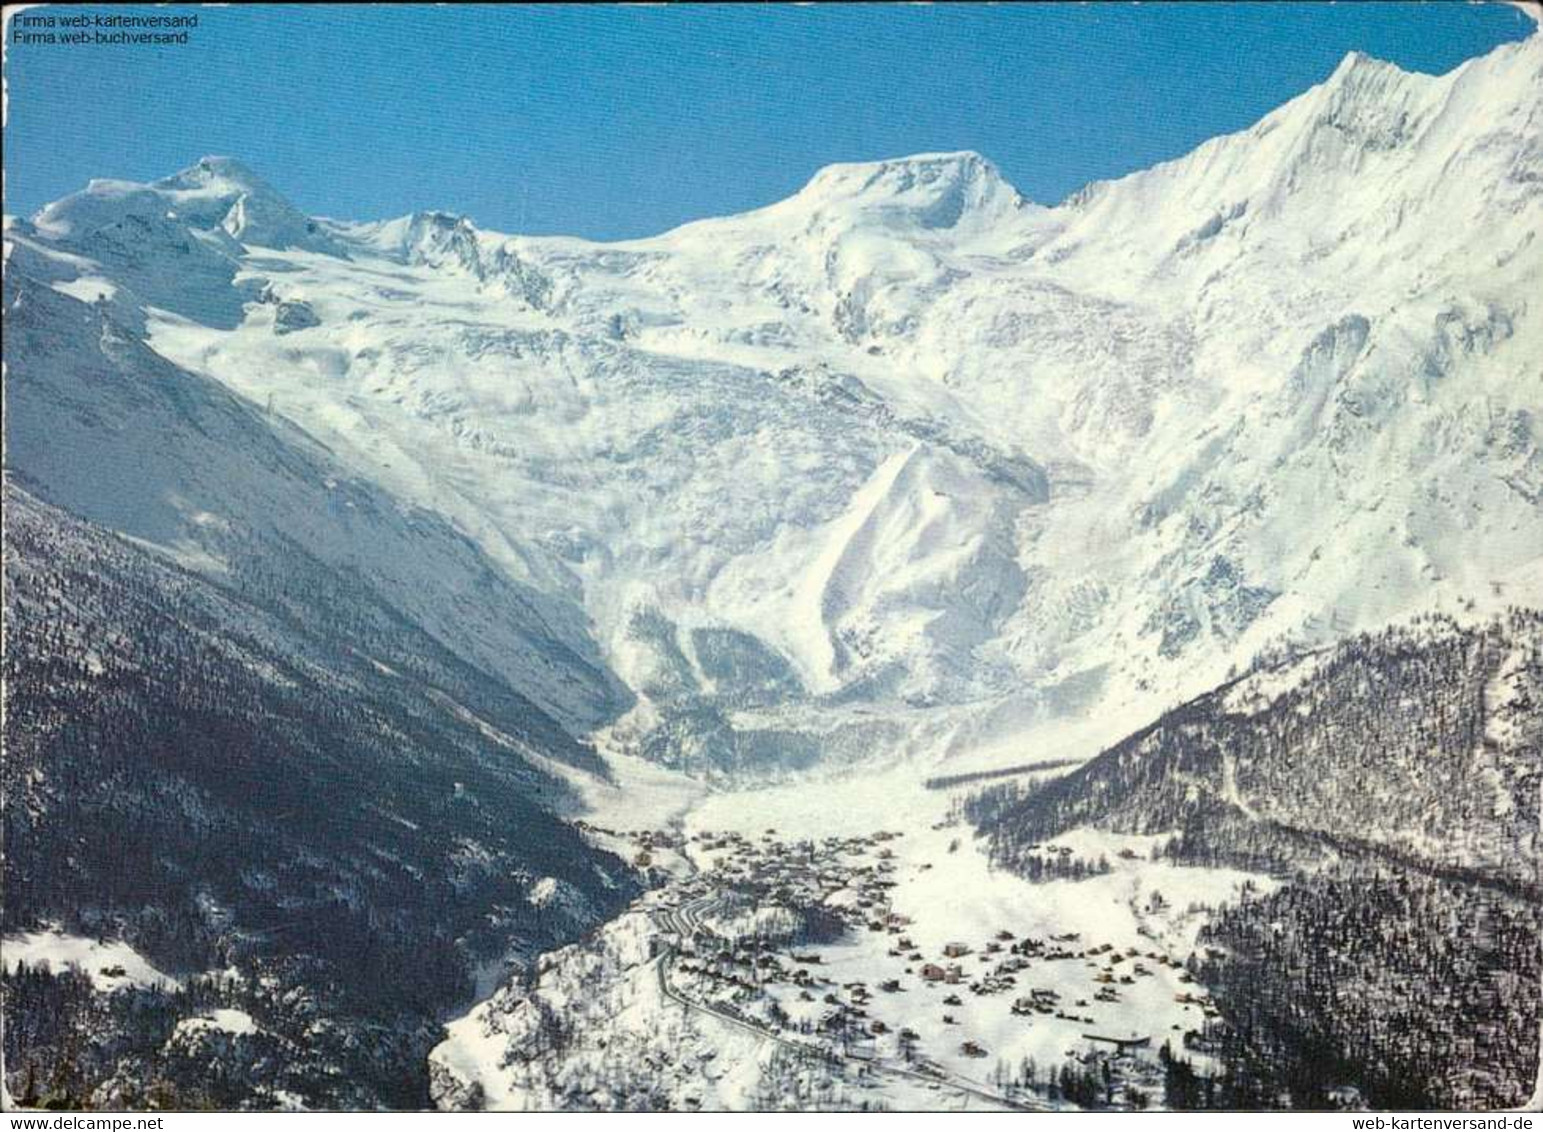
x,y
1359,62
437,237
225,192
228,167
1361,75
933,190
220,176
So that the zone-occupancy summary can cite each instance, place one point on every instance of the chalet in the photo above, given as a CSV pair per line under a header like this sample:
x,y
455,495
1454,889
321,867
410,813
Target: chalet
x,y
953,974
971,1049
1123,1047
1041,1000
955,950
932,973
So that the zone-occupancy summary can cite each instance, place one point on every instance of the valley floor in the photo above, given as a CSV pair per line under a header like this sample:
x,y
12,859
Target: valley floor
x,y
800,949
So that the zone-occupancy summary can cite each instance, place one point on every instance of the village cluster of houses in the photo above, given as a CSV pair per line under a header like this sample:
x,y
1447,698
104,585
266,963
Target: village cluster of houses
x,y
849,881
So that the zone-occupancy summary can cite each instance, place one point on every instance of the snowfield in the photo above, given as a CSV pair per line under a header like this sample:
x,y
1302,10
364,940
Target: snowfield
x,y
110,964
227,1021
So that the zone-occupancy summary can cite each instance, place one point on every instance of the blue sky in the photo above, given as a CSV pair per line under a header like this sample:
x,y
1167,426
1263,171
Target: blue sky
x,y
619,122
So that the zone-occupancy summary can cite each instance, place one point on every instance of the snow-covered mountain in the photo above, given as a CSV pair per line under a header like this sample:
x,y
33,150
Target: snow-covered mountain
x,y
901,463
905,440
102,425
900,471
906,461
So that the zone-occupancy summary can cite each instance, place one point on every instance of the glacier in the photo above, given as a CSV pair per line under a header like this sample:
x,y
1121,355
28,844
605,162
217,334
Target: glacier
x,y
907,465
